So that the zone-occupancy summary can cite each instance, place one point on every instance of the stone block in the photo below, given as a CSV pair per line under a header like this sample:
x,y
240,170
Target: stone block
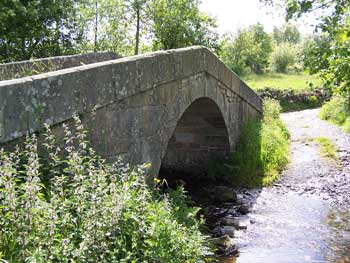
x,y
18,107
225,74
124,78
58,95
235,83
213,65
95,86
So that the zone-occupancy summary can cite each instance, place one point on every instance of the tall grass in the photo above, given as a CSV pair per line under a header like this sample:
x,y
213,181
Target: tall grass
x,y
88,210
337,111
262,150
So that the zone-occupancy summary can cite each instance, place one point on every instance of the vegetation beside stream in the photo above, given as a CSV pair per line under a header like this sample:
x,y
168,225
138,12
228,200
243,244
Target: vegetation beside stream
x,y
262,151
71,206
337,111
328,149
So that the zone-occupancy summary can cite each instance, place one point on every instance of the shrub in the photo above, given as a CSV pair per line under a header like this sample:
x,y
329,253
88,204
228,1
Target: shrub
x,y
262,150
89,211
346,124
248,51
283,57
337,111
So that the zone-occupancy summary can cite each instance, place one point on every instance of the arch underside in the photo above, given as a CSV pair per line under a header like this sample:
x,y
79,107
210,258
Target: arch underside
x,y
199,137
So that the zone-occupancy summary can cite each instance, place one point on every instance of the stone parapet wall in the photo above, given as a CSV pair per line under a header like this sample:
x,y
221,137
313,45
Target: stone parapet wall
x,y
55,96
137,100
31,67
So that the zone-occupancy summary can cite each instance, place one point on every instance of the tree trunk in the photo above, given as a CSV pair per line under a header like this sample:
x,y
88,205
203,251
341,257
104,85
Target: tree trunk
x,y
137,37
58,50
23,47
96,25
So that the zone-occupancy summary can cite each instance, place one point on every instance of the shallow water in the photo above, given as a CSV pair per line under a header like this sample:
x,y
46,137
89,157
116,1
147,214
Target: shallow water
x,y
292,228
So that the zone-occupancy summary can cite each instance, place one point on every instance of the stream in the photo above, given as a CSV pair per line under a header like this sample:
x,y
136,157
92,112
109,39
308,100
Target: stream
x,y
304,216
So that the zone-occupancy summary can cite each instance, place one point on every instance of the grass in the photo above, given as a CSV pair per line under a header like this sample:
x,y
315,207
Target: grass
x,y
294,91
328,149
262,151
337,111
279,81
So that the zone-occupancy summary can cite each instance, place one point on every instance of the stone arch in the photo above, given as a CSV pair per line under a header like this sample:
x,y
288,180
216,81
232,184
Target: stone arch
x,y
131,105
200,135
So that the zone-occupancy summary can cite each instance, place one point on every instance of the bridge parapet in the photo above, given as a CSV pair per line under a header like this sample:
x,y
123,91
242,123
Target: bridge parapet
x,y
54,97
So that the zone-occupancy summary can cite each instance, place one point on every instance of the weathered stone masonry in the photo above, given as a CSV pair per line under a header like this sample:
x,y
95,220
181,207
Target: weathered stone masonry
x,y
136,107
23,68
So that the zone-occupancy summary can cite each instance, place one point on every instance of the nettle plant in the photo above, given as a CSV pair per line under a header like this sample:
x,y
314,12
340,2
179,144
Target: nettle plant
x,y
71,206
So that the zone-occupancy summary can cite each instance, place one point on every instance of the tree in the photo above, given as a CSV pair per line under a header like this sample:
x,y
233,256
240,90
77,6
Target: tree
x,y
331,61
137,7
258,58
105,25
250,50
179,23
314,46
233,51
34,28
287,33
139,13
37,28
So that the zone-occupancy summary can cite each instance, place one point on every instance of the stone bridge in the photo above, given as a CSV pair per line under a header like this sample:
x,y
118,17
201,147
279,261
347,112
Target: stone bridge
x,y
176,109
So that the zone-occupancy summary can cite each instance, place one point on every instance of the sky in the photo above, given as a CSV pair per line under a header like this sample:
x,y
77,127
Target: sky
x,y
233,14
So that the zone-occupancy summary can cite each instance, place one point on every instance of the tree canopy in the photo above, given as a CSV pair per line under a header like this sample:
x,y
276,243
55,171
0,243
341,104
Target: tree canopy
x,y
179,23
327,54
249,50
38,28
287,33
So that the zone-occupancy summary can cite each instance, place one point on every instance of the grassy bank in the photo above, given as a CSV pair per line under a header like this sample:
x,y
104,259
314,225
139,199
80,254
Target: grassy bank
x,y
293,91
279,81
89,211
262,151
337,111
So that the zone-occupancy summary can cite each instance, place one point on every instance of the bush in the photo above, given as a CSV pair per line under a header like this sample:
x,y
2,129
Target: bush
x,y
283,57
248,51
89,211
262,150
337,111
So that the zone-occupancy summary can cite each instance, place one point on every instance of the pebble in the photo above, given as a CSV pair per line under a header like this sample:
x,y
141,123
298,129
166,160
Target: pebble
x,y
236,222
225,244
